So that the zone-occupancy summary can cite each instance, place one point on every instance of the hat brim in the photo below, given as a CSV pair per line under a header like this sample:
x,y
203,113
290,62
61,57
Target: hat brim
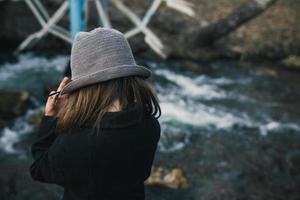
x,y
105,75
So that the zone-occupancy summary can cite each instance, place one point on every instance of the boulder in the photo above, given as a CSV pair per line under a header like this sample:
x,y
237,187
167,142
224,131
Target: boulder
x,y
292,62
12,105
170,178
35,119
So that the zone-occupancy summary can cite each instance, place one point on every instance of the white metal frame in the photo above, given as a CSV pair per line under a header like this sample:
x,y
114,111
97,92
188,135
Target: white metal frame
x,y
141,25
49,23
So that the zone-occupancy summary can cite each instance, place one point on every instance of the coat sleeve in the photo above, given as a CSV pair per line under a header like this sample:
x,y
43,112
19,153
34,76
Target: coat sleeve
x,y
43,169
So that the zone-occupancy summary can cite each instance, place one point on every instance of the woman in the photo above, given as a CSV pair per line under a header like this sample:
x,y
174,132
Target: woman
x,y
99,132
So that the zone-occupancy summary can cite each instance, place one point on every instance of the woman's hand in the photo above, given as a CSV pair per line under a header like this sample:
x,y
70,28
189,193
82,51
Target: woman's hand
x,y
56,101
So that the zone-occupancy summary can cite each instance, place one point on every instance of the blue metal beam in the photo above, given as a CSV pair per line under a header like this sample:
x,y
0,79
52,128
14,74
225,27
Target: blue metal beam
x,y
76,16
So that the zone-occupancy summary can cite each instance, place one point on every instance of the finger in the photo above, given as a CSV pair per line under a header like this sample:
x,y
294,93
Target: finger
x,y
63,83
53,96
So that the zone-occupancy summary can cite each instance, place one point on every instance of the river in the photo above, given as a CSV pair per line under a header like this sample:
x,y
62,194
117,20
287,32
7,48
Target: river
x,y
232,127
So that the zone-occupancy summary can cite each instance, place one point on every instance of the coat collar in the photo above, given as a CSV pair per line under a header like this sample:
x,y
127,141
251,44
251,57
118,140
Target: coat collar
x,y
127,117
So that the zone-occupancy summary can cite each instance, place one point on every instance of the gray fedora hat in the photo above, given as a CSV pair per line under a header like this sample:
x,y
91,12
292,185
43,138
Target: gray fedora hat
x,y
101,55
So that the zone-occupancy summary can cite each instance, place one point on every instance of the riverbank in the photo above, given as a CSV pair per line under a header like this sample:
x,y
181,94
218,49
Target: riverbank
x,y
272,36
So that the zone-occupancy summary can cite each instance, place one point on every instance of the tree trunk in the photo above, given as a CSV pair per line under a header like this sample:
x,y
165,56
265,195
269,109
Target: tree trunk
x,y
235,19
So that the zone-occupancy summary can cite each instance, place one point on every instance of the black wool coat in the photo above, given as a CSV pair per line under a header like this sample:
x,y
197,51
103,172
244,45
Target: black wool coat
x,y
112,164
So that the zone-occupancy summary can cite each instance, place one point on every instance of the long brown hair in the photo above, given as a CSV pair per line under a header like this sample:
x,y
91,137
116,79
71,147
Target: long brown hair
x,y
92,102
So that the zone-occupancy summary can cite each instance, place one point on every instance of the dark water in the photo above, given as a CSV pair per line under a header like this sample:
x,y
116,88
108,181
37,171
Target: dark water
x,y
233,128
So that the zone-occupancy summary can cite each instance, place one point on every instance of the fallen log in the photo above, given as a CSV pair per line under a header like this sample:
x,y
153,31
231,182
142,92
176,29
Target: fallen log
x,y
239,16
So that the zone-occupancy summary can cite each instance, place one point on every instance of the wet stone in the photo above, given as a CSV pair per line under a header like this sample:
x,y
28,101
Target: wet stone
x,y
173,178
12,105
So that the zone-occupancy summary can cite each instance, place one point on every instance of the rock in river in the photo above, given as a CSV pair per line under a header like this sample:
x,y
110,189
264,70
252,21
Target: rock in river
x,y
174,178
12,105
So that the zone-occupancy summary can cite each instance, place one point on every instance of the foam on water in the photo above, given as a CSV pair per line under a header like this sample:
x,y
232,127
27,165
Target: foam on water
x,y
274,126
182,104
201,116
11,135
183,101
202,79
30,62
173,138
192,87
177,104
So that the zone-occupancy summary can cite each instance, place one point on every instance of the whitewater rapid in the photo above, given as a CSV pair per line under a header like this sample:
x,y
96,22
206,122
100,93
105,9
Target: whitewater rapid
x,y
186,101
